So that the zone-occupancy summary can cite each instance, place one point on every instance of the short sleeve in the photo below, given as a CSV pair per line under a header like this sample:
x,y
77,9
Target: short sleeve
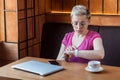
x,y
93,35
96,35
67,39
64,41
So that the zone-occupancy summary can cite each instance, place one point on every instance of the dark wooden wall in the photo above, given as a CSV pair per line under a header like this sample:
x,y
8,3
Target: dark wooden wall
x,y
104,12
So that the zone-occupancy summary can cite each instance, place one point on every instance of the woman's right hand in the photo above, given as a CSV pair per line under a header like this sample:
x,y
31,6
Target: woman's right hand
x,y
69,52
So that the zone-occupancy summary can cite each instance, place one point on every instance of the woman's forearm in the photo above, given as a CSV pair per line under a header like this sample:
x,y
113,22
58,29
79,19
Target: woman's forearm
x,y
91,54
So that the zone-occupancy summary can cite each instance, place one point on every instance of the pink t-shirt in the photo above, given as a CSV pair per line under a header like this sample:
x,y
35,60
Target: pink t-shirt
x,y
87,44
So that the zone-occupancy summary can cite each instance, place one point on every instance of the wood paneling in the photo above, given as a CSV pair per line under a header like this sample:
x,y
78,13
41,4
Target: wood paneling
x,y
110,7
95,19
21,2
23,26
23,45
82,2
35,49
10,4
0,18
48,6
41,6
58,18
40,20
21,14
96,6
22,30
30,4
67,5
30,12
119,7
1,22
23,53
30,27
56,5
11,27
110,20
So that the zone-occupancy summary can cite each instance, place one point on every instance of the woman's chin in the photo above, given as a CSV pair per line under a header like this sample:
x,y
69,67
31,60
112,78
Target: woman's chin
x,y
79,32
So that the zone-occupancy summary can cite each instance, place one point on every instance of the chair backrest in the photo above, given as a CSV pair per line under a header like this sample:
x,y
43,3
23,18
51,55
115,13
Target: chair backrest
x,y
111,42
52,35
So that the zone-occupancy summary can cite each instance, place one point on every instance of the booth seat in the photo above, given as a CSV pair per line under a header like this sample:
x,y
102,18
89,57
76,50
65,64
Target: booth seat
x,y
53,33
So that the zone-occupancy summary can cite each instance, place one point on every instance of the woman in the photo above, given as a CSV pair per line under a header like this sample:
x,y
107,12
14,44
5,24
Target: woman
x,y
81,45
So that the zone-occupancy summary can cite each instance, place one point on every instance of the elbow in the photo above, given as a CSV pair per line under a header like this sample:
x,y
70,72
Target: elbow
x,y
102,54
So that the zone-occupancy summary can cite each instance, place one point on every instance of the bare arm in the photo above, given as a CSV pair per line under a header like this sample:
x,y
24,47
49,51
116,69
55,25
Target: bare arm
x,y
97,53
61,53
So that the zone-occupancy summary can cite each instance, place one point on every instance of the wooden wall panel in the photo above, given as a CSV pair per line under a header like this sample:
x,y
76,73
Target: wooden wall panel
x,y
22,30
96,20
30,3
56,5
30,27
41,6
30,20
47,6
110,7
40,20
23,45
21,2
119,7
30,12
82,2
23,53
0,19
110,20
37,7
96,6
11,27
67,5
21,14
58,18
35,49
10,4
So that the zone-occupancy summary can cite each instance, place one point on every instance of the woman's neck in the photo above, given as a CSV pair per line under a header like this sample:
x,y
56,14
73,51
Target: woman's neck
x,y
81,34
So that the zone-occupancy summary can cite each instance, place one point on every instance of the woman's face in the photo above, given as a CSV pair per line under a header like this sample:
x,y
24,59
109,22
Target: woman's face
x,y
80,23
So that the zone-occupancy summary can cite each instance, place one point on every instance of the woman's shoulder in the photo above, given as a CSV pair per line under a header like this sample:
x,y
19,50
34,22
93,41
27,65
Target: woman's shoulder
x,y
69,34
93,34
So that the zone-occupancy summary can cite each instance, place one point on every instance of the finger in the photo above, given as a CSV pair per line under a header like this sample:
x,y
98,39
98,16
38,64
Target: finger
x,y
69,48
71,55
73,47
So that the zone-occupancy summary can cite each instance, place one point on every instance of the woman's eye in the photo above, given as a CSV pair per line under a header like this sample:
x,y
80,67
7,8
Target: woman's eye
x,y
82,24
75,23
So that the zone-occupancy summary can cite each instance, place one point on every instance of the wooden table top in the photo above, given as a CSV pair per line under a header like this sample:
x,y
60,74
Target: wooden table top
x,y
73,71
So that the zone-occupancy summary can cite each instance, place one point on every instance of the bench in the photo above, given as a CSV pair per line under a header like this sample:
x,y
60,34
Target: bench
x,y
53,33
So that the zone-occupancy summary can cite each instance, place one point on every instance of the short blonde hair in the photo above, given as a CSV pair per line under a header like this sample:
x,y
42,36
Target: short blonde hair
x,y
80,10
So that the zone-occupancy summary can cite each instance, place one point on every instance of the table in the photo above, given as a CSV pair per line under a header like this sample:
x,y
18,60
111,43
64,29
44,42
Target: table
x,y
73,71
